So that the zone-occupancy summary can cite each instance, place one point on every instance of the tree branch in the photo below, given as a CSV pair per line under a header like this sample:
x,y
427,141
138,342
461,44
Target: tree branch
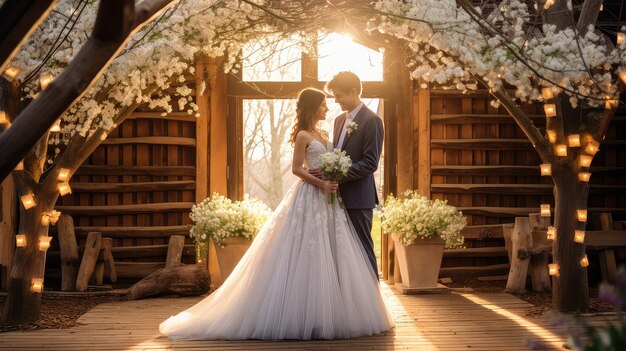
x,y
607,117
94,57
588,15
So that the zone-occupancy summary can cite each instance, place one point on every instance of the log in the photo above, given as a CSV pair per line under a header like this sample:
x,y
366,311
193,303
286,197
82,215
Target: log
x,y
90,257
175,250
186,280
539,274
507,230
107,256
70,261
520,239
608,265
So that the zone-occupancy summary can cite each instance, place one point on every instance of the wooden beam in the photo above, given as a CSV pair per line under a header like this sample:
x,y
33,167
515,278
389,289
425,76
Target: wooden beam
x,y
135,232
424,142
136,270
505,170
485,231
496,251
218,131
129,252
126,209
605,238
290,90
480,118
171,116
528,189
521,211
482,144
88,263
476,270
132,187
202,128
8,229
159,171
162,140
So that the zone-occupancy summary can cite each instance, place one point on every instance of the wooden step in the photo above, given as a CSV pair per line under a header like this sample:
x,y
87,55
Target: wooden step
x,y
497,251
504,170
136,270
135,232
132,187
457,118
495,269
171,116
481,144
157,171
160,140
126,209
485,231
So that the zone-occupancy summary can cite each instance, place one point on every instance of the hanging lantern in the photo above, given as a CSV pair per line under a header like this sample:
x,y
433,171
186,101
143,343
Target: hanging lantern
x,y
553,269
20,240
592,147
64,188
561,150
64,175
620,38
551,235
548,4
622,75
584,176
28,201
44,242
584,262
3,117
585,160
547,93
579,236
45,219
573,140
546,169
611,104
10,73
56,127
54,216
545,210
45,80
582,215
36,285
551,136
550,110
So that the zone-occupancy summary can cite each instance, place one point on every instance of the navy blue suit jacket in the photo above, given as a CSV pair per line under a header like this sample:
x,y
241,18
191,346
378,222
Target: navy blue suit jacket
x,y
364,146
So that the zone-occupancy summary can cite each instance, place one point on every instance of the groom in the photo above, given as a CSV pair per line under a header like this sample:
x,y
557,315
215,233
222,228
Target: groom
x,y
359,132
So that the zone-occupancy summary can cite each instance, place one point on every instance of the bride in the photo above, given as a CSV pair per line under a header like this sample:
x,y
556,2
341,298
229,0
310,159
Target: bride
x,y
306,275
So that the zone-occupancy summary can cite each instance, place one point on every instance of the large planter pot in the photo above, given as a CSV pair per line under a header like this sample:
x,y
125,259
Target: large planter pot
x,y
229,253
419,262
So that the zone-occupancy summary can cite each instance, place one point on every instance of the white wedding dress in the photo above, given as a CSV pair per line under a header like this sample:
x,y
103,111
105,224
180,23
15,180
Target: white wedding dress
x,y
305,276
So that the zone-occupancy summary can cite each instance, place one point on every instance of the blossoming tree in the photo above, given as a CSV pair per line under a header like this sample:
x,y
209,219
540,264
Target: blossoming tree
x,y
551,53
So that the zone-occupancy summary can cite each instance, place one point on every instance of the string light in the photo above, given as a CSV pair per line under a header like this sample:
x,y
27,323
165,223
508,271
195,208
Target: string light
x,y
551,136
548,4
620,38
64,188
553,269
45,80
622,75
54,216
10,73
592,147
45,219
545,210
584,262
579,236
611,104
546,169
561,150
585,160
20,240
547,93
551,235
584,176
550,110
36,285
3,117
44,242
64,175
582,215
103,136
56,127
573,140
28,201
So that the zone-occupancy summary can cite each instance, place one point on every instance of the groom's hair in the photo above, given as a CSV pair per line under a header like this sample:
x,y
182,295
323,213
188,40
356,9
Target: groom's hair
x,y
344,82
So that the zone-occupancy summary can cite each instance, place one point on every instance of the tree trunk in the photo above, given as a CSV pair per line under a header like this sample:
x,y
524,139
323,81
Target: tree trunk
x,y
570,289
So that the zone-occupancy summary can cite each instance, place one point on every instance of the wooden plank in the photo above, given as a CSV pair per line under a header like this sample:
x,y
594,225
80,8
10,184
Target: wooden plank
x,y
88,263
424,142
605,238
504,170
527,189
520,240
485,231
218,145
136,270
495,269
481,144
8,229
70,260
278,90
135,232
171,116
495,251
126,209
461,118
175,250
132,187
159,171
202,129
137,251
161,140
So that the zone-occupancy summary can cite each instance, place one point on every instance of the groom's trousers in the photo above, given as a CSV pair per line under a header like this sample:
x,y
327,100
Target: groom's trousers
x,y
362,221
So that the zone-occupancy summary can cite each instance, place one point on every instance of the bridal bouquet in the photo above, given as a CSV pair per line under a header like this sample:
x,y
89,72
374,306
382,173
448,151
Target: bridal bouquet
x,y
335,165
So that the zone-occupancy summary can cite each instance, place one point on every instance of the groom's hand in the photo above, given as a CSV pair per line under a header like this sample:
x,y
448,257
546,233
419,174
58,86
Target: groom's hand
x,y
316,172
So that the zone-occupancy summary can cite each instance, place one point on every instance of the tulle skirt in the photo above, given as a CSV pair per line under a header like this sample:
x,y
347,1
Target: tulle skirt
x,y
305,276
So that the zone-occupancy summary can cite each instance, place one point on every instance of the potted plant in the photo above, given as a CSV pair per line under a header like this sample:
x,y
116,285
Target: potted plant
x,y
421,228
231,225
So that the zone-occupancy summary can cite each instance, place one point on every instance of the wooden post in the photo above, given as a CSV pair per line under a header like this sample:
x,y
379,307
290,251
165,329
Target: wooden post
x,y
202,129
7,230
175,250
70,261
507,231
539,275
107,253
520,239
608,266
88,263
423,140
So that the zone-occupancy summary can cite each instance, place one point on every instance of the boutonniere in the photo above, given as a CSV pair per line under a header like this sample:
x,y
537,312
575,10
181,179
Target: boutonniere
x,y
351,127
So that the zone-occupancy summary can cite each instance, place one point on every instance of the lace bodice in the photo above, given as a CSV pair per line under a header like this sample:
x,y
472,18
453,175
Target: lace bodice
x,y
314,152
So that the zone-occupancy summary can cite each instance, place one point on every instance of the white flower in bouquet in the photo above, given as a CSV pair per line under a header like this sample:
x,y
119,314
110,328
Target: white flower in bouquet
x,y
416,217
335,165
218,218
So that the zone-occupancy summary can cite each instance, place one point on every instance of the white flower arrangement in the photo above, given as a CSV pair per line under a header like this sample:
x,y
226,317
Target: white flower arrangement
x,y
351,127
335,165
218,218
416,217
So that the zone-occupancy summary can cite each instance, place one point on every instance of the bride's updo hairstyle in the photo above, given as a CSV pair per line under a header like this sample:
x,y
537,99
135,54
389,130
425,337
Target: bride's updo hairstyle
x,y
309,101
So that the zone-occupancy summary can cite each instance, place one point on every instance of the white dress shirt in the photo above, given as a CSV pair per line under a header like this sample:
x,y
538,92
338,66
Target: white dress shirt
x,y
349,118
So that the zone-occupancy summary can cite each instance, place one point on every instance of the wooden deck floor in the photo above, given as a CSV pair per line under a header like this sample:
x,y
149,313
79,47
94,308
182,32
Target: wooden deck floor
x,y
456,321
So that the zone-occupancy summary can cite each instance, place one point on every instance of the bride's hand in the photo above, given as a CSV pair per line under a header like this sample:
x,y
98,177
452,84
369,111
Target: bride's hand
x,y
331,186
